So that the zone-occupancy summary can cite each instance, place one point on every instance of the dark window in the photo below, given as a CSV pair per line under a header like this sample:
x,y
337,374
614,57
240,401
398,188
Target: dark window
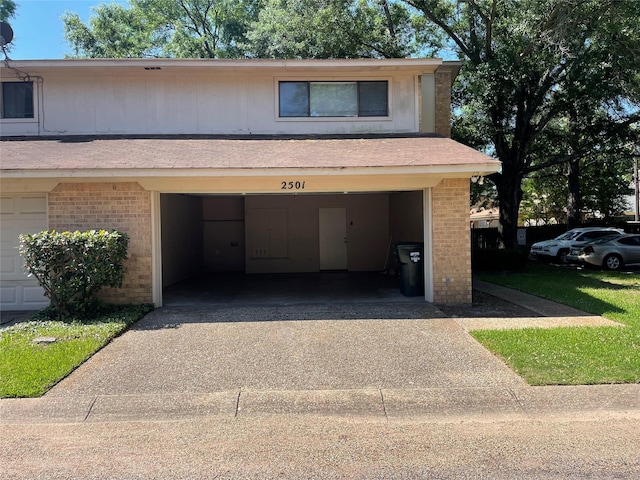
x,y
294,99
334,99
594,235
17,100
372,99
630,241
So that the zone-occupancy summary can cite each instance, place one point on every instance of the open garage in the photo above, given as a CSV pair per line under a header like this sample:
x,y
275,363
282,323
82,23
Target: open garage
x,y
213,235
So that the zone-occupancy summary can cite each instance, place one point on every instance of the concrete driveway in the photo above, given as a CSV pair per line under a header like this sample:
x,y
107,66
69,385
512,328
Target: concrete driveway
x,y
313,347
316,391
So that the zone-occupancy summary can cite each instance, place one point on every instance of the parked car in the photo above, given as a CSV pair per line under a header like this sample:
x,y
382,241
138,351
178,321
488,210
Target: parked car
x,y
558,248
612,252
576,250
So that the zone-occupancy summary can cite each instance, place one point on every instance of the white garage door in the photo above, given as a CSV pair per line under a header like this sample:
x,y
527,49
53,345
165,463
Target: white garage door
x,y
19,214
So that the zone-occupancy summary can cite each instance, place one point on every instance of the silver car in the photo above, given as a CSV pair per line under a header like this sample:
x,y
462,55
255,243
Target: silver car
x,y
611,253
558,248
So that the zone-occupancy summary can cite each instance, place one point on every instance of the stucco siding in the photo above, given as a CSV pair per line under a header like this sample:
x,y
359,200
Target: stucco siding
x,y
158,103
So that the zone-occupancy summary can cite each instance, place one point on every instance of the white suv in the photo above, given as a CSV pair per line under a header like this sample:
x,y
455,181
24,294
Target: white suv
x,y
558,248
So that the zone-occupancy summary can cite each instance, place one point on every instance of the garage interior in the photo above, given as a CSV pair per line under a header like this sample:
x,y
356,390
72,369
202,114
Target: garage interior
x,y
285,249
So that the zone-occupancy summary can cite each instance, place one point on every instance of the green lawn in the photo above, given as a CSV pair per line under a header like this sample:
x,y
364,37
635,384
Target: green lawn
x,y
29,369
579,355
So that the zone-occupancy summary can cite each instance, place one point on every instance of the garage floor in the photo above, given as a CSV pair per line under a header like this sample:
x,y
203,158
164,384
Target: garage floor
x,y
287,289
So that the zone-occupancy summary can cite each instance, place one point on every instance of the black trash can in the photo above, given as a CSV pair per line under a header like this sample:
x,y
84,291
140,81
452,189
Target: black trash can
x,y
409,257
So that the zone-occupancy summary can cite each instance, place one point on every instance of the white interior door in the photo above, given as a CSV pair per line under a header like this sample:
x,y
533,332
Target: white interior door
x,y
333,238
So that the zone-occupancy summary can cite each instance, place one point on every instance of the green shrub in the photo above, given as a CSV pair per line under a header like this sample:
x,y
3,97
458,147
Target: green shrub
x,y
497,260
73,266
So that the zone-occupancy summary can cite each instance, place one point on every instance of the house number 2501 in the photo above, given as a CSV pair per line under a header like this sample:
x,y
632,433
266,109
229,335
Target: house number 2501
x,y
292,186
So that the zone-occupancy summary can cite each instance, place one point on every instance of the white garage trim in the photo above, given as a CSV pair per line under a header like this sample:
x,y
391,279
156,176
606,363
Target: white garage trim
x,y
156,249
428,246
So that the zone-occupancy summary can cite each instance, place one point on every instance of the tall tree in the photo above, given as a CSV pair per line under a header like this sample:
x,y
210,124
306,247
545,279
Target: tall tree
x,y
332,29
528,65
163,28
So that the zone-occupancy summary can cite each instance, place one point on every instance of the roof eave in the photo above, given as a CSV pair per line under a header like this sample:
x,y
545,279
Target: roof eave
x,y
460,171
426,65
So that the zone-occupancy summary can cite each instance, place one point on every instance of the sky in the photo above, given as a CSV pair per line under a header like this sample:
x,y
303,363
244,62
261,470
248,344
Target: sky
x,y
38,31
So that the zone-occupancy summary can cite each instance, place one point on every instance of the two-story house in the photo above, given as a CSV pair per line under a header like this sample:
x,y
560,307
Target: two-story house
x,y
237,165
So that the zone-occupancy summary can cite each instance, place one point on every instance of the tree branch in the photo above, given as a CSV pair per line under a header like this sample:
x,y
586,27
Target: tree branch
x,y
447,29
387,13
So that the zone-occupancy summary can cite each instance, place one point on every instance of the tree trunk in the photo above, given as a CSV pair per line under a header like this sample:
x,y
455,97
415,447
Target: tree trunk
x,y
574,198
509,186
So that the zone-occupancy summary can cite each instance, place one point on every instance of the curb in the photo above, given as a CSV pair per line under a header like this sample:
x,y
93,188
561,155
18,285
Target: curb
x,y
433,404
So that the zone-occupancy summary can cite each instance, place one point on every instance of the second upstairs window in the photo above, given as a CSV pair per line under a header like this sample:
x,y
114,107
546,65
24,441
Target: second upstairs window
x,y
334,99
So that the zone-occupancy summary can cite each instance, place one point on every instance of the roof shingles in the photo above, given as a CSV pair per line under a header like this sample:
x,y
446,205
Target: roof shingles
x,y
72,153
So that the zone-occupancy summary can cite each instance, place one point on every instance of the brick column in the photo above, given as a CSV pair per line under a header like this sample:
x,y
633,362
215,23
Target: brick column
x,y
443,103
451,241
125,207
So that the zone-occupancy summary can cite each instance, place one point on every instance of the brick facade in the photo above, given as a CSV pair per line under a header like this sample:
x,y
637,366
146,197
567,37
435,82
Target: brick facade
x,y
443,103
125,207
451,242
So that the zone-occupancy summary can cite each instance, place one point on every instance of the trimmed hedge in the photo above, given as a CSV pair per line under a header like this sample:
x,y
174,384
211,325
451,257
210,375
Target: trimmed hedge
x,y
73,266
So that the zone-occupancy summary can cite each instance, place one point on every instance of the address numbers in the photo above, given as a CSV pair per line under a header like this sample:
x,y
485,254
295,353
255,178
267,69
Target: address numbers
x,y
297,185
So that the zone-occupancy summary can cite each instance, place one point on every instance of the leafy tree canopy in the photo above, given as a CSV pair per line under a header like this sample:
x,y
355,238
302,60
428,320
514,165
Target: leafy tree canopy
x,y
247,28
163,28
7,10
332,29
531,65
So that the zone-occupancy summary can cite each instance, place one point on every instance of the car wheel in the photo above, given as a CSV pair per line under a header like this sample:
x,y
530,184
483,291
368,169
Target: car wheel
x,y
612,262
561,257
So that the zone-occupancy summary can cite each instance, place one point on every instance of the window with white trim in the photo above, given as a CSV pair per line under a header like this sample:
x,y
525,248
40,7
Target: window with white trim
x,y
334,99
16,100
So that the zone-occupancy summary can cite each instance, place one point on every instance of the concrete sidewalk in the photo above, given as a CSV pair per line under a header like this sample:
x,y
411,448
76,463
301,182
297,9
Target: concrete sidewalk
x,y
545,313
540,306
434,404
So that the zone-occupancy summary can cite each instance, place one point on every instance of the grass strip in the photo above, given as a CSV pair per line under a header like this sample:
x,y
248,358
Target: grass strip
x,y
30,369
577,355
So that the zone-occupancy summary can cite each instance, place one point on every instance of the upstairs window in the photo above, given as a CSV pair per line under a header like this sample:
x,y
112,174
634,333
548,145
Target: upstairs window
x,y
334,99
17,100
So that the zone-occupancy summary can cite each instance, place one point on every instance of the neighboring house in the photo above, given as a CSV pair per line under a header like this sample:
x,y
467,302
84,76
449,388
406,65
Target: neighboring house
x,y
484,217
632,206
237,165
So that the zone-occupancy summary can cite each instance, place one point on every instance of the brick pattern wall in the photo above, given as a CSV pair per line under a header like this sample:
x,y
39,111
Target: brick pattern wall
x,y
125,207
451,242
443,103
